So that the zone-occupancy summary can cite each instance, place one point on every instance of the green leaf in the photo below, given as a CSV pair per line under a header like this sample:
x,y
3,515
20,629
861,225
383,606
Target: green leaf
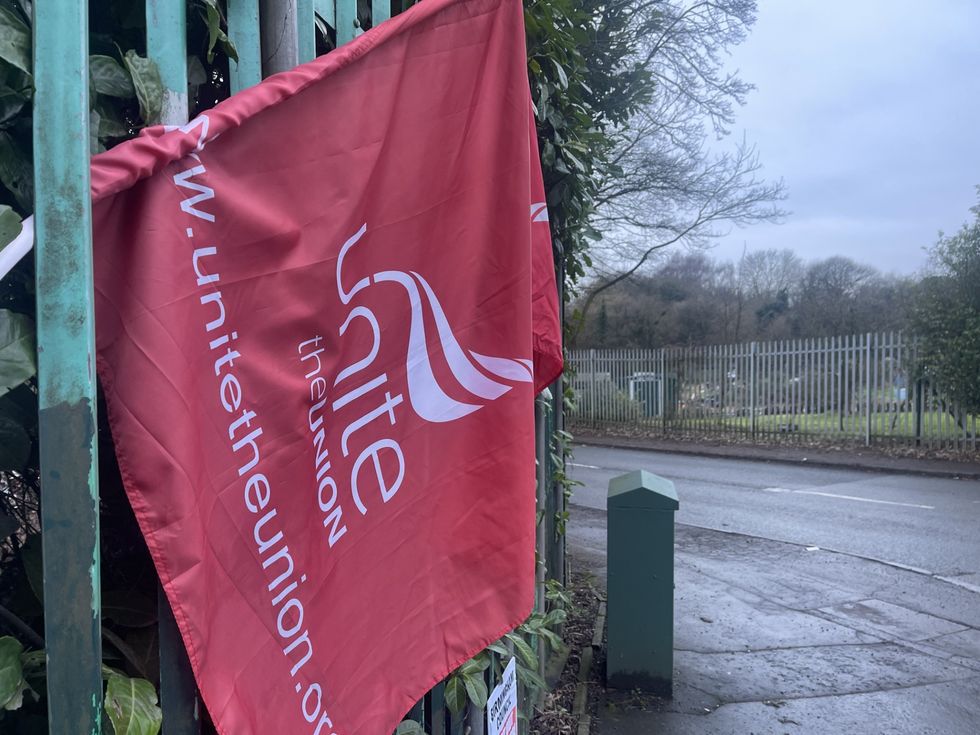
x,y
196,74
216,36
9,225
555,617
11,103
523,650
476,665
15,39
455,694
530,678
562,77
18,361
109,77
476,688
110,125
409,727
149,87
16,171
554,640
12,684
132,706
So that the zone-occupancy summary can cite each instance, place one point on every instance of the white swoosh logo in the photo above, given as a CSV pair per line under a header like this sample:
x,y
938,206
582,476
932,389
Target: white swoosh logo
x,y
427,397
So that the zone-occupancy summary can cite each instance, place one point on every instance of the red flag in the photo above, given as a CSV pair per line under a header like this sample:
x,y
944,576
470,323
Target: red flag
x,y
323,310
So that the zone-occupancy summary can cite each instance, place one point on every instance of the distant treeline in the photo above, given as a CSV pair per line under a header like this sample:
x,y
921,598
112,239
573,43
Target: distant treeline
x,y
693,299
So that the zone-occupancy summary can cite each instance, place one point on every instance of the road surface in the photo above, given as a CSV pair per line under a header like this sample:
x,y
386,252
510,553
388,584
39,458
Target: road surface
x,y
930,524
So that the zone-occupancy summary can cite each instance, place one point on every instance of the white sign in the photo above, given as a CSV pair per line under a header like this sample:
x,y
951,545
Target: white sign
x,y
502,704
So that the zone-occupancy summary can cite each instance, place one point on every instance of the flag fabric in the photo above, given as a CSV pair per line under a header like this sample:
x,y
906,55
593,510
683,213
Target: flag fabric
x,y
323,309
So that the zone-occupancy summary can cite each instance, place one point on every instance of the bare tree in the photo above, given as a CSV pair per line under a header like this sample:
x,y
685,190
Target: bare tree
x,y
666,185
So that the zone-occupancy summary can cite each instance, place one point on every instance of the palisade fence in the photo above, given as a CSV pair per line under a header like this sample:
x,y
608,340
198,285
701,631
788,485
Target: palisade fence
x,y
857,389
276,39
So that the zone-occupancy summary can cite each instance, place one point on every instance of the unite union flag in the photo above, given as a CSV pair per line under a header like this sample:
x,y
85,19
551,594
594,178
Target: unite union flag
x,y
323,310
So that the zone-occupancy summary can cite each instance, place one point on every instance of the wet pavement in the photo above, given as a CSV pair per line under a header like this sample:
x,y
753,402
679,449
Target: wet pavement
x,y
782,635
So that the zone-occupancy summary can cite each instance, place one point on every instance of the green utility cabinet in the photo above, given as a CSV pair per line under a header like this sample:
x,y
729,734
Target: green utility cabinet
x,y
640,605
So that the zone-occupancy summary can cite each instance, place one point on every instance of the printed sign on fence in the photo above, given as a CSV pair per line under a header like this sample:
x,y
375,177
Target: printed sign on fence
x,y
502,704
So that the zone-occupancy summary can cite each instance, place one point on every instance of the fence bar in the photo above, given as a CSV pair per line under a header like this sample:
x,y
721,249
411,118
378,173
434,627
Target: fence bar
x,y
306,30
280,35
243,30
178,692
66,376
347,25
166,34
380,12
166,44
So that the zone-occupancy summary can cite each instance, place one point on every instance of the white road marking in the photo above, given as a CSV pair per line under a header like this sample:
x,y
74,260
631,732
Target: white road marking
x,y
864,500
585,466
846,497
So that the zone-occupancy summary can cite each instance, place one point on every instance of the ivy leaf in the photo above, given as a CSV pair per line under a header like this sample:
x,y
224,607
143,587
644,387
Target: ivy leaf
x,y
132,706
455,694
12,684
409,727
109,77
17,354
149,87
15,40
476,688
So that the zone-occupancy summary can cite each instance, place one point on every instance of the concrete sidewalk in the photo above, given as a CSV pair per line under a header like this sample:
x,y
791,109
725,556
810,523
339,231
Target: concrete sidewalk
x,y
853,458
771,637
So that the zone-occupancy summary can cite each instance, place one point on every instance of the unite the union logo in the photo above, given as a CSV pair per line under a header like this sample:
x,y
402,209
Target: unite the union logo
x,y
429,400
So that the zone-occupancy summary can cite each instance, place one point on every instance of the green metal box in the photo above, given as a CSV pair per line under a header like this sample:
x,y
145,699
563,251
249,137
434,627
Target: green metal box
x,y
640,607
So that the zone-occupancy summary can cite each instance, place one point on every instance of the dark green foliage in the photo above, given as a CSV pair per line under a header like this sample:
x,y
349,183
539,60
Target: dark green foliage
x,y
946,316
585,81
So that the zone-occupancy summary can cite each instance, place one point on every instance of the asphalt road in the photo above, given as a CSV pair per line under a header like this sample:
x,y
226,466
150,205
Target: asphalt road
x,y
930,524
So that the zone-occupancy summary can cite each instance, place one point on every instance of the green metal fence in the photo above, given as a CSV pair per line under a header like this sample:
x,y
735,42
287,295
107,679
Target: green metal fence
x,y
270,36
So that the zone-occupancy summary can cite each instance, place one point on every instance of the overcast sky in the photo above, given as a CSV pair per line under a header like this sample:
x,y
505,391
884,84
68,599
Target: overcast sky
x,y
870,112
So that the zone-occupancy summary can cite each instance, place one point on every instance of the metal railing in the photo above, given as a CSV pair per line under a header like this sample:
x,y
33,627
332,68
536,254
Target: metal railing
x,y
855,388
277,39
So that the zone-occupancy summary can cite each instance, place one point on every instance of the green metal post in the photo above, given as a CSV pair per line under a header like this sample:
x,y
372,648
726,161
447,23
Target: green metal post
x,y
178,692
640,583
347,25
306,28
243,30
66,368
166,44
380,12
